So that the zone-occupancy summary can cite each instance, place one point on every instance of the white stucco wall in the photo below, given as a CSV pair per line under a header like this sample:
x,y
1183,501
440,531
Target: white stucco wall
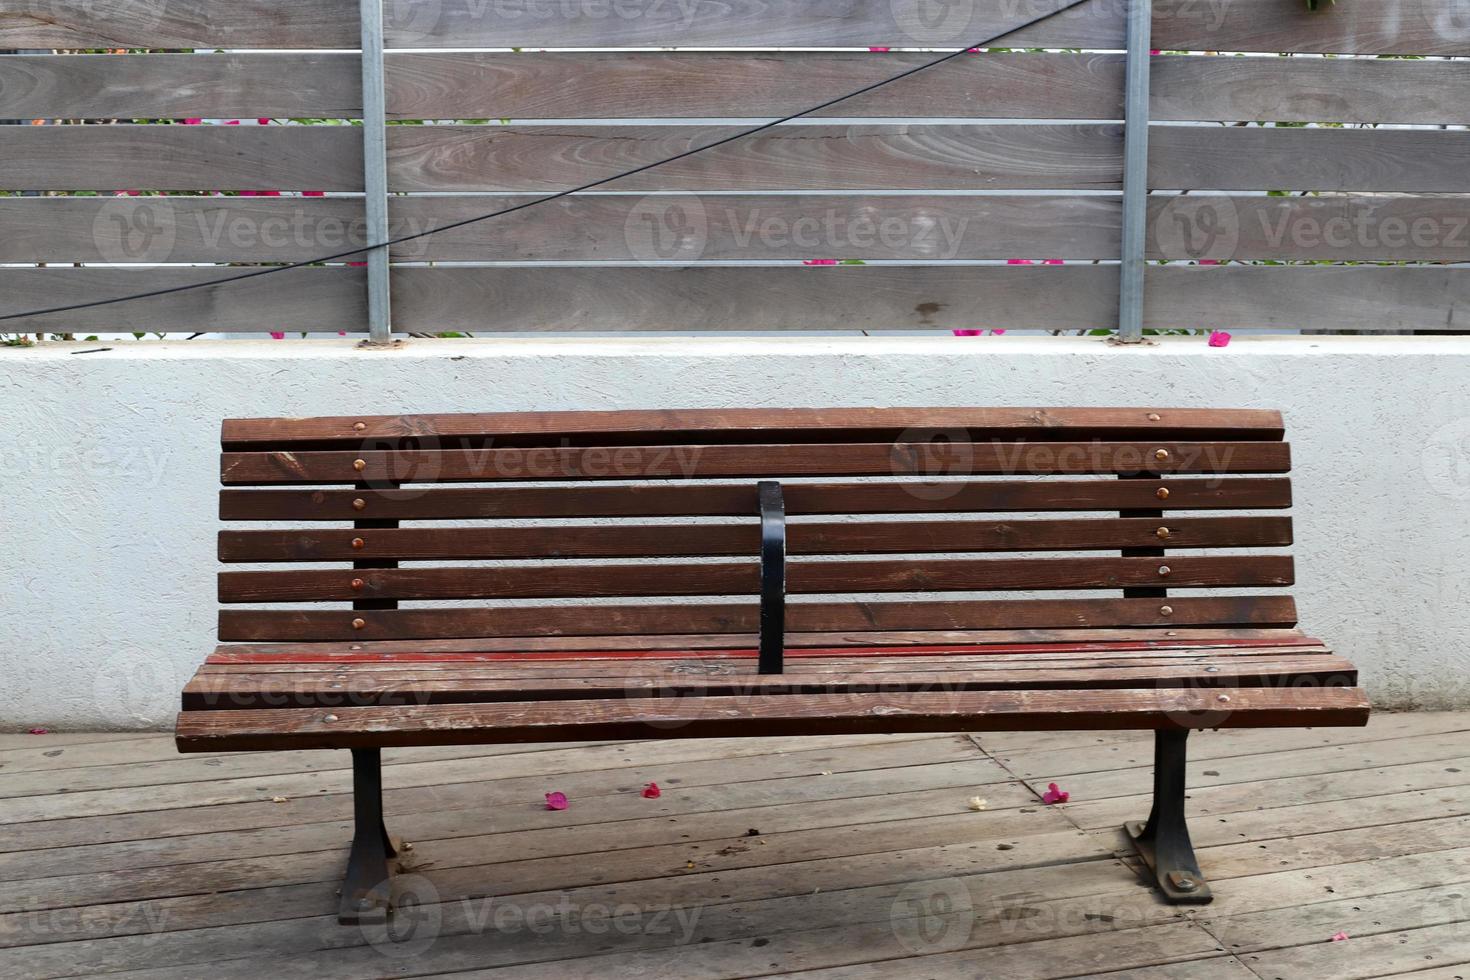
x,y
110,472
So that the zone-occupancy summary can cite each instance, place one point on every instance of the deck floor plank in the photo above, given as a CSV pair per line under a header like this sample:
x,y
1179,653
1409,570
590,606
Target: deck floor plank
x,y
119,858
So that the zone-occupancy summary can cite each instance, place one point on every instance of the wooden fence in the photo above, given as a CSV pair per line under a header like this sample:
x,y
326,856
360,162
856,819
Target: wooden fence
x,y
998,155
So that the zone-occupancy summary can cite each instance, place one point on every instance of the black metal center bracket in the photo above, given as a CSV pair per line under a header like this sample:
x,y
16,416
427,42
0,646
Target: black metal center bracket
x,y
1163,842
367,891
773,577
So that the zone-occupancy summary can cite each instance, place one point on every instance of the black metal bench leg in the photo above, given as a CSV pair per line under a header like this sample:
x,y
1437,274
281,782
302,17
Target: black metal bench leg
x,y
1163,842
367,894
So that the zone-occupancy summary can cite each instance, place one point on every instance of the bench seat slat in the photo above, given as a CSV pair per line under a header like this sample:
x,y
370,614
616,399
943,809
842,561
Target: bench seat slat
x,y
690,462
815,538
281,624
689,425
836,714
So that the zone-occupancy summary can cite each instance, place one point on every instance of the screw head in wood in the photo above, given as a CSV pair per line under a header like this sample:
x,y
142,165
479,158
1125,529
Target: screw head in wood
x,y
1153,416
359,426
1162,493
359,464
1212,670
1182,881
358,624
1161,454
1223,699
1164,569
359,504
330,718
358,544
357,584
1166,610
1162,532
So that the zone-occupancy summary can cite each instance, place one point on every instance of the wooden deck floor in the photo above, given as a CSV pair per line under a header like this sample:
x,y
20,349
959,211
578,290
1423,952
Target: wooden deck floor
x,y
850,857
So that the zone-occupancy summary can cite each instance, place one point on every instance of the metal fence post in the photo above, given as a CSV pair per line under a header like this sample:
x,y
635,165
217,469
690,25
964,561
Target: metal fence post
x,y
1135,172
375,170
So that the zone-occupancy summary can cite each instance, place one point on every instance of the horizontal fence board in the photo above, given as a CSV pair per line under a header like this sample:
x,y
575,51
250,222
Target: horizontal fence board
x,y
409,624
620,228
814,157
743,299
704,539
444,503
918,458
1422,27
709,84
1265,158
738,425
712,84
689,228
743,578
553,23
1312,298
315,300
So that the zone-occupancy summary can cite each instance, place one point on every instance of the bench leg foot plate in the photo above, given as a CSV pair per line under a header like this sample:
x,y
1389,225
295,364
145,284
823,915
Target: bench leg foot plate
x,y
367,890
1163,841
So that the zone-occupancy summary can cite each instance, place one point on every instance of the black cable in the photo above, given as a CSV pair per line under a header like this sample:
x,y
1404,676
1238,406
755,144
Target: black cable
x,y
272,270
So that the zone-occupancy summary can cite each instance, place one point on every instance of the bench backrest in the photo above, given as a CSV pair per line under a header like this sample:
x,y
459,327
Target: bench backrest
x,y
517,525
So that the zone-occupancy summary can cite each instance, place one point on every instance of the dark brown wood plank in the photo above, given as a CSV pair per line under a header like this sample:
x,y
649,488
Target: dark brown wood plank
x,y
284,655
824,538
739,578
923,457
214,731
443,503
758,425
567,620
456,24
235,692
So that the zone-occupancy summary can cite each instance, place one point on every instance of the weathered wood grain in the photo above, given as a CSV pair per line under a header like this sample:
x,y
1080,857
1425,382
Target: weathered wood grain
x,y
711,84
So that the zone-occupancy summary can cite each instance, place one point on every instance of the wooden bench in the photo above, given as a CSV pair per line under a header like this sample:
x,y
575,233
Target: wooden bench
x,y
623,575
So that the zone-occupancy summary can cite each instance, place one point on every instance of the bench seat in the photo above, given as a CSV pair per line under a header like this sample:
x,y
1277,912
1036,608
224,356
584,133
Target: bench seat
x,y
566,577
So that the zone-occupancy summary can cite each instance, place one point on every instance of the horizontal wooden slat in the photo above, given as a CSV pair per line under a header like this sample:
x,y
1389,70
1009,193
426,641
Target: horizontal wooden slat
x,y
258,624
765,425
704,539
736,578
1425,27
360,688
441,503
293,656
919,458
550,159
818,156
713,84
214,731
542,23
611,228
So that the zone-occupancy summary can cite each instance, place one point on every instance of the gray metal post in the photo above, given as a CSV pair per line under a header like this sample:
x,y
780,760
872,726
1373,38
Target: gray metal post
x,y
375,170
1135,172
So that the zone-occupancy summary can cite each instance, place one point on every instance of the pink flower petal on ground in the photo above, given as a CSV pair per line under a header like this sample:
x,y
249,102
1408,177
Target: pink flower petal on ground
x,y
40,731
819,262
1054,795
1219,338
652,792
556,801
278,335
1339,937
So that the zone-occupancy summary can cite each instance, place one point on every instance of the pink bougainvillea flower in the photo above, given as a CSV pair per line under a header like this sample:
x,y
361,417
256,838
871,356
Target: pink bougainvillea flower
x,y
263,122
652,792
260,193
193,122
1052,262
40,731
556,801
313,193
969,333
1209,261
1054,795
997,333
1019,262
880,49
1339,937
819,262
278,335
1219,338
